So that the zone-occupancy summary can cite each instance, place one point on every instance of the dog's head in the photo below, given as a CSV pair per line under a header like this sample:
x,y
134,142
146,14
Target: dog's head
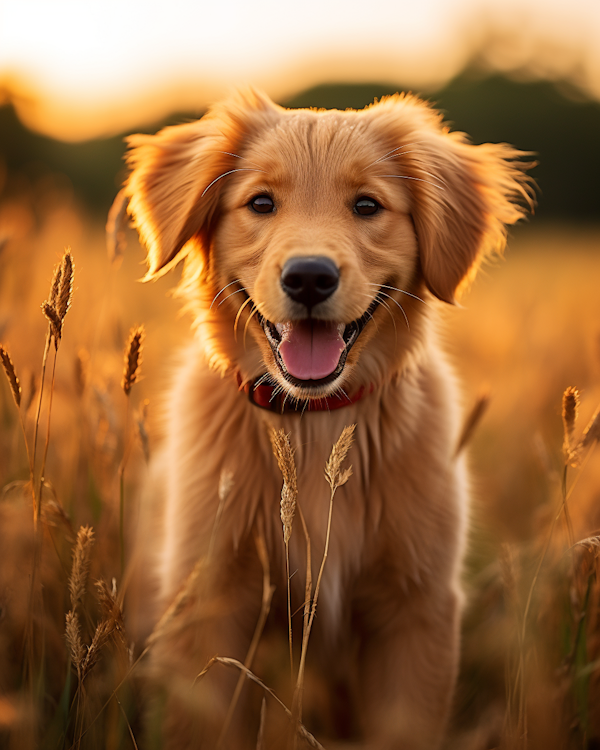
x,y
312,240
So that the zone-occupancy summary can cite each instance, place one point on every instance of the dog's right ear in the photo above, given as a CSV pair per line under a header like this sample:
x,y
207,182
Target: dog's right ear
x,y
175,180
168,172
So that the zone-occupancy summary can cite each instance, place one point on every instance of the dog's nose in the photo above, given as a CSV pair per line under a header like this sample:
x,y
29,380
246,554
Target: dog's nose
x,y
310,279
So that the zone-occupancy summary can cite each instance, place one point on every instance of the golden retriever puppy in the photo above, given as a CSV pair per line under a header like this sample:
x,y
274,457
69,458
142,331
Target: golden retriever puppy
x,y
318,248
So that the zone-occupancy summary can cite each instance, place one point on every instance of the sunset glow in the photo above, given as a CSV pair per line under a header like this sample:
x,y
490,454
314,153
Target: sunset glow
x,y
77,70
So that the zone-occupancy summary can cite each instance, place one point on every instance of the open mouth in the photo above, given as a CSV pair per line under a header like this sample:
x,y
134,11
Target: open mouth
x,y
313,352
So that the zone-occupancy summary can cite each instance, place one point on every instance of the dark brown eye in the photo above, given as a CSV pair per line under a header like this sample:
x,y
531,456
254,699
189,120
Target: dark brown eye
x,y
366,206
262,204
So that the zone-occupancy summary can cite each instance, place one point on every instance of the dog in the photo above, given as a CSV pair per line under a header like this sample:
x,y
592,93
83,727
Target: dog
x,y
318,248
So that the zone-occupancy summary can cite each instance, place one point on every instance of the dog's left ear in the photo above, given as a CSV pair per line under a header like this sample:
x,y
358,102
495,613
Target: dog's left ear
x,y
463,196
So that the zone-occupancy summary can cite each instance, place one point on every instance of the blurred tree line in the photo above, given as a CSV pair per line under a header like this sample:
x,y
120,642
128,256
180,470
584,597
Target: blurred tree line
x,y
562,128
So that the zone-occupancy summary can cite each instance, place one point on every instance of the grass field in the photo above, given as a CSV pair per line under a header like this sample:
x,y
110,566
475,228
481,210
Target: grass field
x,y
529,328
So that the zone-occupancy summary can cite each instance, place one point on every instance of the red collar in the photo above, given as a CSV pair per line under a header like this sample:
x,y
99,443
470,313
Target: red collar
x,y
268,397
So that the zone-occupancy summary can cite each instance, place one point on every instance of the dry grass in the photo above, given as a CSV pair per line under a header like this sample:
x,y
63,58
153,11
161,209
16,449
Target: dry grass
x,y
284,454
133,359
13,380
529,329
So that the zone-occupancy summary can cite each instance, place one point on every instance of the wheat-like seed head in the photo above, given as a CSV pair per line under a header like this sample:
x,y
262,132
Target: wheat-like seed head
x,y
287,510
570,410
103,632
57,305
11,374
54,320
333,468
65,287
55,285
81,565
111,609
73,637
284,454
133,358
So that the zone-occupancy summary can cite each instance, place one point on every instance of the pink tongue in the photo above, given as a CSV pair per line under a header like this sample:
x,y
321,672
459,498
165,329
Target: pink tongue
x,y
311,349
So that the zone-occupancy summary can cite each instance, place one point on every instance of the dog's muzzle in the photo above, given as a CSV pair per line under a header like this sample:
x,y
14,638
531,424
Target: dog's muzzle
x,y
313,352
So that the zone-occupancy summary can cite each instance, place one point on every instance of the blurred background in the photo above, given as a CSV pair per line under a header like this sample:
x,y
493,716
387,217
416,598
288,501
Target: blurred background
x,y
76,78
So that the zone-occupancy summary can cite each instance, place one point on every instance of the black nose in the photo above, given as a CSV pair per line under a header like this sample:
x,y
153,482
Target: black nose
x,y
310,279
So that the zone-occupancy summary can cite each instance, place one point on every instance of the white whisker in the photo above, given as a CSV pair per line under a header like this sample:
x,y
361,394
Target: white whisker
x,y
231,171
416,179
237,291
388,308
422,171
324,398
435,177
237,317
252,313
266,378
344,393
368,314
276,392
222,290
394,156
396,289
393,151
395,301
237,156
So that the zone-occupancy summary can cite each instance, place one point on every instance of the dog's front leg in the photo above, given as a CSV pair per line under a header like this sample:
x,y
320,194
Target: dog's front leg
x,y
408,666
219,622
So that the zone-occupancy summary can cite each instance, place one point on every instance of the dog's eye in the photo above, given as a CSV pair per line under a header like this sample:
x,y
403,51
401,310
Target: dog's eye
x,y
262,204
366,206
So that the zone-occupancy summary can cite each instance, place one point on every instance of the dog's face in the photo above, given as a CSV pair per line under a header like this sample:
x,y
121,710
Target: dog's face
x,y
313,238
317,237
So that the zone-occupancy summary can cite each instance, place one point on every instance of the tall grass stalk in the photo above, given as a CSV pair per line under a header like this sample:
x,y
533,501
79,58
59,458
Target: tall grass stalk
x,y
121,476
267,596
131,374
36,508
47,441
15,387
284,454
227,661
571,457
336,477
55,310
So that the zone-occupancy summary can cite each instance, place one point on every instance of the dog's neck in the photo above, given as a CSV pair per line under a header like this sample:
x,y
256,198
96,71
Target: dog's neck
x,y
271,398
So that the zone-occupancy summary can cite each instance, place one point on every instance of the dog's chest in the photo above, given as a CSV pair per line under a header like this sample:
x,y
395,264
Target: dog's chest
x,y
343,535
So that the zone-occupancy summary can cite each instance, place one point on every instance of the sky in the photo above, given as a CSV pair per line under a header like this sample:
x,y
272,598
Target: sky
x,y
79,69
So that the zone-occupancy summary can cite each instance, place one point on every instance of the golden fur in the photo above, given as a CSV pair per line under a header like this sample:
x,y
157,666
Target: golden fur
x,y
385,642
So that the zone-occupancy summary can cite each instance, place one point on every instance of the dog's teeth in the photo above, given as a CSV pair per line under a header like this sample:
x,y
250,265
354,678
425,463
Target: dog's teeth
x,y
341,328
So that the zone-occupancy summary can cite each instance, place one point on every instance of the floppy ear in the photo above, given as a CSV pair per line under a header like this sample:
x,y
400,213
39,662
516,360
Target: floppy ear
x,y
480,191
464,196
175,180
